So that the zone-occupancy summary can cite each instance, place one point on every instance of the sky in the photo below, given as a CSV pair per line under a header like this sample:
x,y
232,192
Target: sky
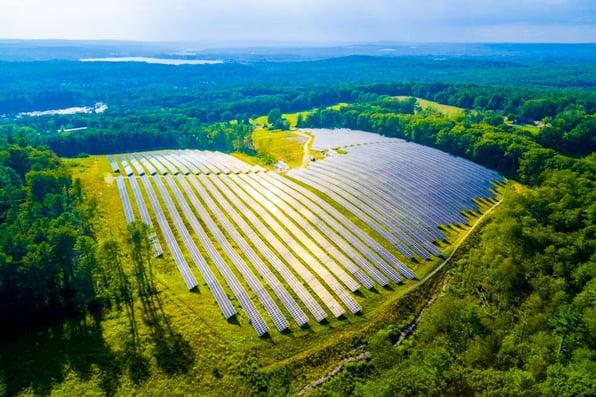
x,y
316,21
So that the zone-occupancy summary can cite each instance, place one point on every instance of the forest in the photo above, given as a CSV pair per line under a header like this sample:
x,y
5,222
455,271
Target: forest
x,y
44,236
52,267
188,121
518,312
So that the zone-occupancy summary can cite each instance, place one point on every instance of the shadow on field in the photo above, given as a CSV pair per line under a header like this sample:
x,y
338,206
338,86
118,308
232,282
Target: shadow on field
x,y
172,352
38,360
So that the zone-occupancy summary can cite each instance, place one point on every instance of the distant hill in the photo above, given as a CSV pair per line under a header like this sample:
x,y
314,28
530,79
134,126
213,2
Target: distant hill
x,y
39,50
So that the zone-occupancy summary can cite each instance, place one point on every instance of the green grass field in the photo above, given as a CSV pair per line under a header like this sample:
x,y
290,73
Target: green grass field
x,y
531,128
287,146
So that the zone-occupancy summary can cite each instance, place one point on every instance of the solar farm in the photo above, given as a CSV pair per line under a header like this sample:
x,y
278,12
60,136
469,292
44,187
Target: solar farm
x,y
282,249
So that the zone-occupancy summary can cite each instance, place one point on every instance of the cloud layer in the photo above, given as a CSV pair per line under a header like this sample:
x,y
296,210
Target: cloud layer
x,y
303,20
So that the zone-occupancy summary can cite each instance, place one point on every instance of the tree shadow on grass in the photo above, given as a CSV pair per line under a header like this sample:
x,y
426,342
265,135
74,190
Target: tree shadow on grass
x,y
40,359
172,352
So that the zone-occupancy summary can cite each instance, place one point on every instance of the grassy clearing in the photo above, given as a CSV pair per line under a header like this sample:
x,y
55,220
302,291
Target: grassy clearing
x,y
275,145
291,117
531,128
287,146
338,106
447,110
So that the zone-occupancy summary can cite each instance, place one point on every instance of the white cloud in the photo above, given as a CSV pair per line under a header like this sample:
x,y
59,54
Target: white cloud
x,y
299,20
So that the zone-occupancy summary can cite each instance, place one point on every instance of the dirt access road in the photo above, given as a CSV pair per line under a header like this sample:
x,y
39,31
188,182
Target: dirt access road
x,y
306,155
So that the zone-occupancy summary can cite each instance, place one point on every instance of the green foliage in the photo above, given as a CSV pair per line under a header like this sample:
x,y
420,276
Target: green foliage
x,y
478,136
47,266
537,109
382,350
275,120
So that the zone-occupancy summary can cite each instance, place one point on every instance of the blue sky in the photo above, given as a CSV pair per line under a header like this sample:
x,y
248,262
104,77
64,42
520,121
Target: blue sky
x,y
302,20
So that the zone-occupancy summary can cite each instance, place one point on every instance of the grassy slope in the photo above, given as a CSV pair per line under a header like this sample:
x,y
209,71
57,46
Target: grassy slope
x,y
281,145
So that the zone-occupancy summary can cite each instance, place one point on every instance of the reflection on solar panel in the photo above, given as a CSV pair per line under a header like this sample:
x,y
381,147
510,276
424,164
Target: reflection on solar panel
x,y
183,267
135,165
157,251
281,251
262,232
316,263
128,214
299,251
276,315
234,259
125,166
248,251
342,137
114,164
220,296
402,190
360,240
343,242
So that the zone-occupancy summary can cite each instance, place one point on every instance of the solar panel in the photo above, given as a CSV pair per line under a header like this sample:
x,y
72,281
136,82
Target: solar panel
x,y
343,241
128,213
181,263
114,165
157,250
280,241
233,257
239,292
315,264
256,228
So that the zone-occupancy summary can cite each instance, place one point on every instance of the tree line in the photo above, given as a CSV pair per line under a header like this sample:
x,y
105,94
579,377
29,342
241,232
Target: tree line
x,y
481,136
52,267
162,117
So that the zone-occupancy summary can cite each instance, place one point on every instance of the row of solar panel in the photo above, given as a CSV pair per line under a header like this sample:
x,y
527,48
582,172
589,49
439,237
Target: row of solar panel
x,y
385,213
180,162
242,195
394,187
322,237
233,283
452,196
342,137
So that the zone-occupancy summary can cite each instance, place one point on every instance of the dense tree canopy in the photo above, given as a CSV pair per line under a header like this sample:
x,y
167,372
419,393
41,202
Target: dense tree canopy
x,y
46,248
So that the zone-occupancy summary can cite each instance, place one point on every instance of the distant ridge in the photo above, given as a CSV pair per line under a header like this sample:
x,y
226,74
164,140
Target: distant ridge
x,y
41,50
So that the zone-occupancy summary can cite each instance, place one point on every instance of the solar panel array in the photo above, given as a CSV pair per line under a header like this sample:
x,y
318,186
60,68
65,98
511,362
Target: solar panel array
x,y
276,248
342,137
402,190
